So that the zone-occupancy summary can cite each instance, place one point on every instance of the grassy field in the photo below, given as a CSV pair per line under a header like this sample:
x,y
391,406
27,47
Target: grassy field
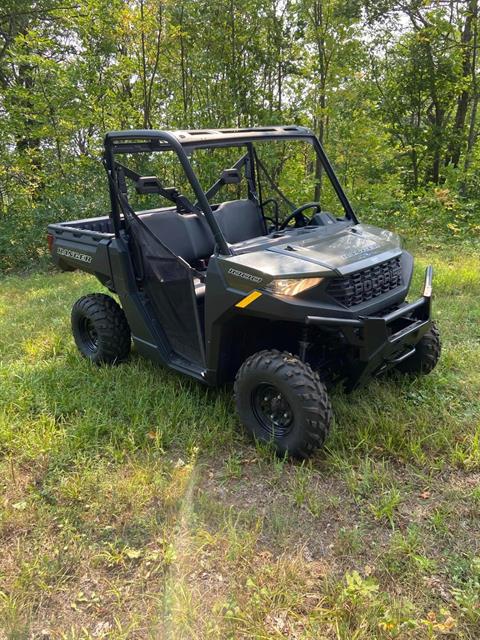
x,y
133,506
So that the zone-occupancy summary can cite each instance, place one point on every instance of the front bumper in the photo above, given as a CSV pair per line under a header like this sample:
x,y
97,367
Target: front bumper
x,y
383,341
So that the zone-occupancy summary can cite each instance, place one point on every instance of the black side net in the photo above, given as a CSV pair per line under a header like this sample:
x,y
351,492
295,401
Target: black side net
x,y
168,283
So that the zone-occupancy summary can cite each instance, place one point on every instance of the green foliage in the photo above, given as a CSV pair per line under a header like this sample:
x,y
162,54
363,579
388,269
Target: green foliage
x,y
434,214
394,107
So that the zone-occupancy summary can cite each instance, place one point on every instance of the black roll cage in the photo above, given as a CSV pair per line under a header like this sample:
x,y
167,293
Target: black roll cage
x,y
148,141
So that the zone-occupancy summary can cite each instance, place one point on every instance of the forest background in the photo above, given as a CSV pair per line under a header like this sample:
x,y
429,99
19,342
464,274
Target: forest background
x,y
391,89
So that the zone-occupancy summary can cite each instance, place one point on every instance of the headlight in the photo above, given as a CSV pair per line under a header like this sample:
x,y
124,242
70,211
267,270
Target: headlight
x,y
292,287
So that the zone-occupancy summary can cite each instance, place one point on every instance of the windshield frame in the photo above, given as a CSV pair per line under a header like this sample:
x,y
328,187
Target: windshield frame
x,y
183,142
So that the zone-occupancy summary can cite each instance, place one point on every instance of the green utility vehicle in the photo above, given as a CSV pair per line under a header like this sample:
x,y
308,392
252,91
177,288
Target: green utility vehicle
x,y
253,288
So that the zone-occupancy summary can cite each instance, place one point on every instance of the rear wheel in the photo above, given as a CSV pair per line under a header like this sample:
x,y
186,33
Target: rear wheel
x,y
426,356
281,400
100,329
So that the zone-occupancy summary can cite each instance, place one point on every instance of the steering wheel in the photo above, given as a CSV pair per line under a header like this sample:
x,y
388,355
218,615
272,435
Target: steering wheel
x,y
298,214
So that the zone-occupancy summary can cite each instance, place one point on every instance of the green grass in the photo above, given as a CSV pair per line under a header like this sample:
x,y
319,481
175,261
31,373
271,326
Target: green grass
x,y
133,506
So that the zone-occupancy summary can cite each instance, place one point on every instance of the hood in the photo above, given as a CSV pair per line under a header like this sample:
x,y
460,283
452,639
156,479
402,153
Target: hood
x,y
351,249
315,254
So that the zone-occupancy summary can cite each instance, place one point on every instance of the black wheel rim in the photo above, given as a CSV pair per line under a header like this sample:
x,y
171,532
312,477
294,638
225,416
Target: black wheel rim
x,y
89,334
272,410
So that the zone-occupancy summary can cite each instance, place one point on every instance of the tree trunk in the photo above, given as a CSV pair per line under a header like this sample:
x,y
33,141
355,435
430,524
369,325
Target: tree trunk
x,y
458,133
318,24
321,136
26,141
472,135
437,119
184,78
146,114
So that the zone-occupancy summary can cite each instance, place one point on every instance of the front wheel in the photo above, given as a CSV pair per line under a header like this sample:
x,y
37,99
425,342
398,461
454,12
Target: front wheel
x,y
426,356
100,329
282,401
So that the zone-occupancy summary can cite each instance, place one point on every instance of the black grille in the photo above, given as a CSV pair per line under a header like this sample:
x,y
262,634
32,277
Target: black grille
x,y
367,284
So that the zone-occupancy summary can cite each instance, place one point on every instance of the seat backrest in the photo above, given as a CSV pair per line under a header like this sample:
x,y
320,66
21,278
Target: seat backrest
x,y
240,220
189,237
184,234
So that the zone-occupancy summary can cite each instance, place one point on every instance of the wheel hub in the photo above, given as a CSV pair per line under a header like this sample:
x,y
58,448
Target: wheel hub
x,y
89,334
272,410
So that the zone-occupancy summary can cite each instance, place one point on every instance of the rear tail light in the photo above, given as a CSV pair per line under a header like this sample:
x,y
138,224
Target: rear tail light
x,y
50,242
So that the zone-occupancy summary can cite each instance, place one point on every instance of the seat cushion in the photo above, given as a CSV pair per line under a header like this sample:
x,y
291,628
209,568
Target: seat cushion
x,y
240,220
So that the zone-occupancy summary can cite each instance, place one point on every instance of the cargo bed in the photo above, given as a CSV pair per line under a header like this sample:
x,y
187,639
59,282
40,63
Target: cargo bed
x,y
83,244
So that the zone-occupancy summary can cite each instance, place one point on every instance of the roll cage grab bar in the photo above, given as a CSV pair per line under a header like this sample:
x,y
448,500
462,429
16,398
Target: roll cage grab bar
x,y
145,141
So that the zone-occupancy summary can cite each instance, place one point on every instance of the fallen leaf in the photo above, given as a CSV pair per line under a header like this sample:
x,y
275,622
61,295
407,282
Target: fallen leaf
x,y
448,624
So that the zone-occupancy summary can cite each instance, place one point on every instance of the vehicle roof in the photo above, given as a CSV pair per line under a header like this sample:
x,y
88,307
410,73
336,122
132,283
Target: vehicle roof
x,y
209,137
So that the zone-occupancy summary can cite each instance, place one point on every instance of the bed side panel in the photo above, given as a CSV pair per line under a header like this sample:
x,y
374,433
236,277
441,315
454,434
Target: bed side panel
x,y
82,249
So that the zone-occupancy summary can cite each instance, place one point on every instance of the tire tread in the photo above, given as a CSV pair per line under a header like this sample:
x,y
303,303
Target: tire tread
x,y
426,355
306,383
111,324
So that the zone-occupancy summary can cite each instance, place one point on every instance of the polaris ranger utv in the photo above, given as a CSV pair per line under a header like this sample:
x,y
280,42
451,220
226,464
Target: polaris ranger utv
x,y
253,288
